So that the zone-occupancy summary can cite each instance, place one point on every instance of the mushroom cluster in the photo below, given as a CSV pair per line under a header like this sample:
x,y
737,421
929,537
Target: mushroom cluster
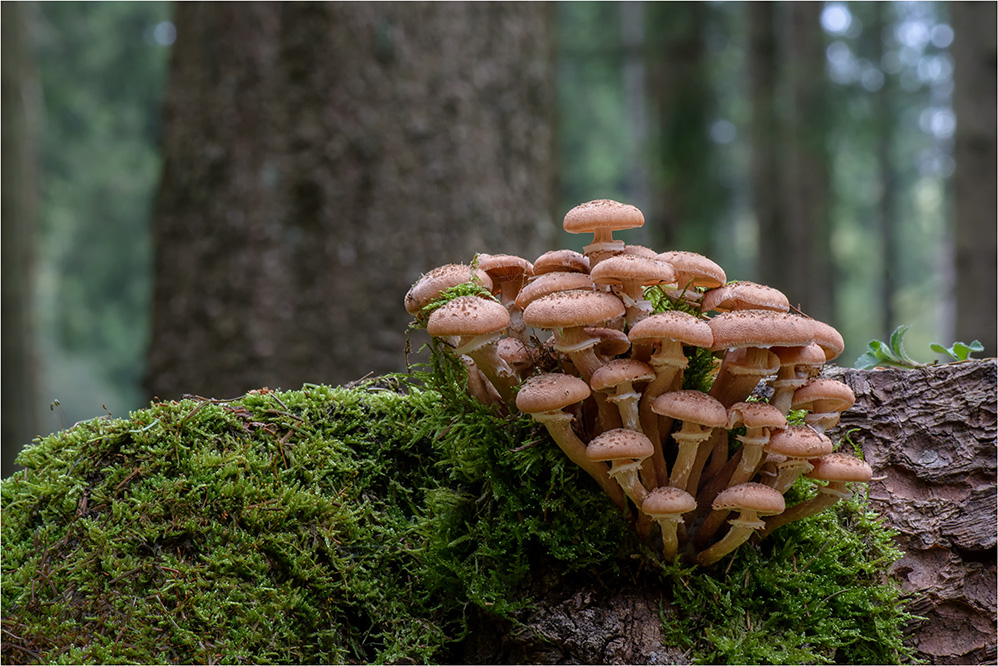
x,y
597,347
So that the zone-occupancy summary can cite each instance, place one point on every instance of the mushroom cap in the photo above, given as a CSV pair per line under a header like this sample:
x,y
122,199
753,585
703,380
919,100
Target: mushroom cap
x,y
640,250
694,270
673,325
693,406
840,467
829,339
618,371
810,354
611,341
567,309
505,267
668,501
763,500
834,396
619,444
468,315
515,353
798,442
760,328
755,415
549,392
549,283
430,285
744,295
632,269
561,261
602,214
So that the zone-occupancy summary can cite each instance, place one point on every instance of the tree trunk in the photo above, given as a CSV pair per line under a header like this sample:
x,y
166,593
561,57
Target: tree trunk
x,y
887,223
20,198
318,159
976,153
930,434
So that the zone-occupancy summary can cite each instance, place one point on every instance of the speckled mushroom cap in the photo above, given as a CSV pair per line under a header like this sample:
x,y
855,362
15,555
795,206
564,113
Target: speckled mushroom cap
x,y
618,371
830,340
755,415
744,295
798,442
566,309
549,283
840,467
811,354
694,270
693,406
468,315
602,215
505,267
555,261
640,250
632,269
549,392
430,285
672,325
515,353
760,328
611,341
763,500
619,444
829,394
668,501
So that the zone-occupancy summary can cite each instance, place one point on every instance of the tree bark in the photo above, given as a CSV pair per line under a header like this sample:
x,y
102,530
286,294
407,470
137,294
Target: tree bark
x,y
20,205
975,56
318,159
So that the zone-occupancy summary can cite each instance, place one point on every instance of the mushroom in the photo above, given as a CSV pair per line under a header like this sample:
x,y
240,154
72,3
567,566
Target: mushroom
x,y
430,285
751,500
549,283
624,450
561,260
612,343
544,397
617,379
477,322
837,469
794,446
744,295
666,506
699,413
825,399
693,272
790,377
828,339
567,314
509,274
628,275
602,217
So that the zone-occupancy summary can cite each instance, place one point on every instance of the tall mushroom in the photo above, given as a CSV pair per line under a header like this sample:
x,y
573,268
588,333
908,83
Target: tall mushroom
x,y
544,397
628,275
601,218
699,414
752,501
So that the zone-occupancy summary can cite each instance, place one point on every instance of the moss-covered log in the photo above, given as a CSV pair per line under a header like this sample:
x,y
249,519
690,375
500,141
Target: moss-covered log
x,y
389,523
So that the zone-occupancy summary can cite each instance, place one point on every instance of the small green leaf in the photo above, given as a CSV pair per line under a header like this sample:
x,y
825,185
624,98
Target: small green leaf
x,y
960,351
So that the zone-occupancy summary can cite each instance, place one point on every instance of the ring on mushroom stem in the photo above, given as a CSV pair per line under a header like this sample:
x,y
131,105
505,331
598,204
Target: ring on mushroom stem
x,y
700,414
627,275
794,361
825,399
544,397
752,501
666,507
602,217
797,445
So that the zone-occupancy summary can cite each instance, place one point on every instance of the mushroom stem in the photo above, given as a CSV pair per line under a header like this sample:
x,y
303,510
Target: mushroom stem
x,y
495,369
741,370
670,536
625,472
690,439
742,528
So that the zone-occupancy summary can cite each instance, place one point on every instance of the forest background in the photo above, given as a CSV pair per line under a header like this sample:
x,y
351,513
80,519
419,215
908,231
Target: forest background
x,y
843,152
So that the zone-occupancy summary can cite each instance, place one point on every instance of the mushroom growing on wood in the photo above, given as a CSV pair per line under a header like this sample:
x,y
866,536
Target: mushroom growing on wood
x,y
628,275
699,413
430,285
601,218
752,501
792,448
744,295
825,400
666,507
545,397
561,261
794,364
624,450
617,379
508,273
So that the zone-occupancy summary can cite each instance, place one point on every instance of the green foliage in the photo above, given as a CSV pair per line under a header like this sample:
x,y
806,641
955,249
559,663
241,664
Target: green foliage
x,y
958,351
360,524
880,353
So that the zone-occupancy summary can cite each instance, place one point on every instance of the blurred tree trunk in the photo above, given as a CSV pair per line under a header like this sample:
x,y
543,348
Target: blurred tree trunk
x,y
689,200
975,197
20,198
885,120
318,159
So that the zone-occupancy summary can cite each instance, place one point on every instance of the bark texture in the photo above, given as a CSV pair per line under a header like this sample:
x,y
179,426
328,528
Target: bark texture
x,y
319,158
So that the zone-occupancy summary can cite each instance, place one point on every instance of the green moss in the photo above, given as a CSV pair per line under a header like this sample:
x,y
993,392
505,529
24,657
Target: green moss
x,y
358,525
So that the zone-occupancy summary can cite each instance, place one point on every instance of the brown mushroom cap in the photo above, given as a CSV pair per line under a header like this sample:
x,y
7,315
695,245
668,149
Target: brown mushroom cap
x,y
667,501
567,309
811,354
618,371
611,341
692,406
672,325
550,392
505,267
760,328
549,283
602,215
694,270
515,353
619,444
763,500
640,250
755,415
430,285
840,467
828,395
798,442
468,315
830,340
744,295
557,261
632,269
